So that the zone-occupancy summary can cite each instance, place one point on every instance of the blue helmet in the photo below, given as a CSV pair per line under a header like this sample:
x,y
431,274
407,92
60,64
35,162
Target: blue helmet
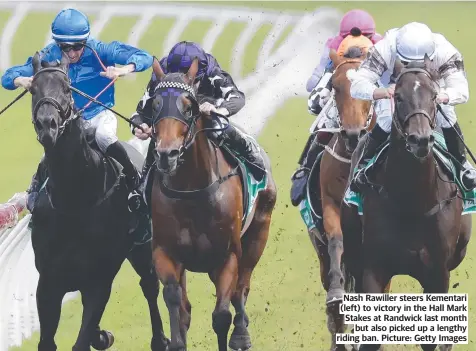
x,y
70,26
181,56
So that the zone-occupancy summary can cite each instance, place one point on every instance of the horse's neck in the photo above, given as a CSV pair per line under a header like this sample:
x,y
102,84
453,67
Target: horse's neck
x,y
72,164
410,182
199,167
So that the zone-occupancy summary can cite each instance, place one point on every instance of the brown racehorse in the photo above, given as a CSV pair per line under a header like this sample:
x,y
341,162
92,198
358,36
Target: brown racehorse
x,y
197,211
414,224
355,118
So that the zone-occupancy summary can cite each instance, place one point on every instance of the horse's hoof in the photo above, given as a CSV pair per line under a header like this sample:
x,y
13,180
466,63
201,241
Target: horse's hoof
x,y
240,340
160,344
335,295
105,341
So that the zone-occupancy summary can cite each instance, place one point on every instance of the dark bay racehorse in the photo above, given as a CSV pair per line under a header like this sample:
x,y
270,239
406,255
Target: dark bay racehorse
x,y
197,211
355,118
414,224
80,224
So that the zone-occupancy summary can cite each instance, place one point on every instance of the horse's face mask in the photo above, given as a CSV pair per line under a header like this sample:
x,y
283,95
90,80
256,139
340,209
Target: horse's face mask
x,y
415,106
52,102
175,113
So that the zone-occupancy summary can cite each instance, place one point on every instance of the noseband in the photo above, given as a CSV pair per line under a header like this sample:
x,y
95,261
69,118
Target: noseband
x,y
396,122
166,109
66,115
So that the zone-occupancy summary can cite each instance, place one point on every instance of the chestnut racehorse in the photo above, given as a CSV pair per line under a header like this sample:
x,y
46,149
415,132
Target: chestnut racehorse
x,y
197,214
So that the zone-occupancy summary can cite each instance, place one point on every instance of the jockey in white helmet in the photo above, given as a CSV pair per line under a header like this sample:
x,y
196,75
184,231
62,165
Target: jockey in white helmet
x,y
70,32
411,43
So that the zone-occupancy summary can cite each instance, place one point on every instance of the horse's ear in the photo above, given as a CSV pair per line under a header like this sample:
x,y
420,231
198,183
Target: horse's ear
x,y
159,73
334,57
192,71
397,69
36,62
427,61
64,62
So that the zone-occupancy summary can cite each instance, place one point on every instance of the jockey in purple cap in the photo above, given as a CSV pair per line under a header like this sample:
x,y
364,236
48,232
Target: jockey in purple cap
x,y
217,92
319,85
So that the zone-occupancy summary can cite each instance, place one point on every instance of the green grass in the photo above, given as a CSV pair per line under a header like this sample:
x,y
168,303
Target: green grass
x,y
286,302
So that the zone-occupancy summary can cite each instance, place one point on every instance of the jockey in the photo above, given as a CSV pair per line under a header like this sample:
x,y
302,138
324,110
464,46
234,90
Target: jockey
x,y
70,32
319,86
411,43
218,93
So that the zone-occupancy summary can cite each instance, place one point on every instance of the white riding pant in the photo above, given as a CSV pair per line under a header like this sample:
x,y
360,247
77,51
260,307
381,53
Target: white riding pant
x,y
105,126
383,108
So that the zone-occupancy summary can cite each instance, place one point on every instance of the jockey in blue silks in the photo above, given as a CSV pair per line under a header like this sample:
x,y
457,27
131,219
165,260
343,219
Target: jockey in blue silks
x,y
70,32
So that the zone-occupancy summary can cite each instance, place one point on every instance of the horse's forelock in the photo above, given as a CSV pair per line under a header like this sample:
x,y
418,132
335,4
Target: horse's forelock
x,y
354,52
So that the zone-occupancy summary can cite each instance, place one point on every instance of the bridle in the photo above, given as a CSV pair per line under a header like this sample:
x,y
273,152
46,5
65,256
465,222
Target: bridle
x,y
68,115
189,118
396,122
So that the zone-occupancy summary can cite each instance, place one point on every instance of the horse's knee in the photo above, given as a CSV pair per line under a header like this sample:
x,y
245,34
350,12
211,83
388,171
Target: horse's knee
x,y
172,294
221,321
335,244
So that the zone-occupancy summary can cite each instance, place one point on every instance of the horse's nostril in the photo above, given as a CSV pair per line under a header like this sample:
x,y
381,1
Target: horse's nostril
x,y
362,133
412,139
174,153
53,124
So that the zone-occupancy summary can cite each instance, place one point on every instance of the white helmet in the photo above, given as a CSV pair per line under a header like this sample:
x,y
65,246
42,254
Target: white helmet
x,y
414,40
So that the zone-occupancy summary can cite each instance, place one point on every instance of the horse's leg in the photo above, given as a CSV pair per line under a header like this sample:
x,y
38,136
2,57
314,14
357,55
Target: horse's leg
x,y
185,308
463,240
374,281
170,273
335,248
323,255
225,279
253,244
48,301
437,281
140,258
94,299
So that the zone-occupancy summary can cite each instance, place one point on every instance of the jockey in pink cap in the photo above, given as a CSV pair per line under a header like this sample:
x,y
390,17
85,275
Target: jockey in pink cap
x,y
354,18
357,22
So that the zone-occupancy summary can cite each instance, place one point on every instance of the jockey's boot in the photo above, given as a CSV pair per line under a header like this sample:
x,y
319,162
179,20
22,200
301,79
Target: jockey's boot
x,y
238,141
316,144
374,140
301,175
457,150
142,188
118,152
36,182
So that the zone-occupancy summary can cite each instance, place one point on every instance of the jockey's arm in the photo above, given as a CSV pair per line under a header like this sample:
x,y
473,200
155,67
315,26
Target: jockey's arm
x,y
452,72
364,79
226,91
26,70
319,70
116,52
143,112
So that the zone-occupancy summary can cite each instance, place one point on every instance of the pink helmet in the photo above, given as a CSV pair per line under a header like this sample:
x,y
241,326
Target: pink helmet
x,y
357,18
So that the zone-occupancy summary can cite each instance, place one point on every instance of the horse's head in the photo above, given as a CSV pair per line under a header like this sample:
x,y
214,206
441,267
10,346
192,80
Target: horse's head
x,y
414,118
175,114
51,99
355,115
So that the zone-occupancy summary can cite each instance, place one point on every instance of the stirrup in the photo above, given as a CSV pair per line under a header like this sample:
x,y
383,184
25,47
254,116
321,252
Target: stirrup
x,y
300,173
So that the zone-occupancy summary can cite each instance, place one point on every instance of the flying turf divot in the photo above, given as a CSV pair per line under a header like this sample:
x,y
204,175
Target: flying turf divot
x,y
281,75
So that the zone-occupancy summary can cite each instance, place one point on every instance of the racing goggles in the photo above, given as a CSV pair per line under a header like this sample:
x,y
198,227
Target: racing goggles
x,y
67,47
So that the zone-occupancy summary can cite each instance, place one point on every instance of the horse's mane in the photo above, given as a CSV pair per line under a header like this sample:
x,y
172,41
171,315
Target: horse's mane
x,y
354,52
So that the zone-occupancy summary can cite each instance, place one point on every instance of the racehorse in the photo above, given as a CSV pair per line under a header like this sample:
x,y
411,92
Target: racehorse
x,y
80,224
356,117
411,212
197,213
